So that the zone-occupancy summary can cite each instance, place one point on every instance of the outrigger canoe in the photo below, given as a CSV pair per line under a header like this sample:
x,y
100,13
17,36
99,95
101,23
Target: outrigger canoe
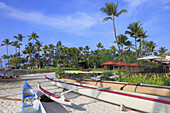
x,y
132,87
60,99
30,101
138,101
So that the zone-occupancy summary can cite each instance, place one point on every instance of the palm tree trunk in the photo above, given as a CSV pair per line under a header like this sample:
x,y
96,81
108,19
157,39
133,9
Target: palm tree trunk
x,y
5,63
140,52
31,60
7,53
124,60
19,56
118,44
16,54
116,37
136,50
16,50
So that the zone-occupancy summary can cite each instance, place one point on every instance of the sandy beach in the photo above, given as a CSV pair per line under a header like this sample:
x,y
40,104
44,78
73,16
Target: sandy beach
x,y
81,103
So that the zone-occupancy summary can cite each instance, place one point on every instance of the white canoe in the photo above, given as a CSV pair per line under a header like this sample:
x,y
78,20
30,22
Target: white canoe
x,y
142,102
52,96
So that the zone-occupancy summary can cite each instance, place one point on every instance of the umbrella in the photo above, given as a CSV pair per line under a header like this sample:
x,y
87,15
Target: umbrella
x,y
109,63
8,69
150,57
133,64
120,63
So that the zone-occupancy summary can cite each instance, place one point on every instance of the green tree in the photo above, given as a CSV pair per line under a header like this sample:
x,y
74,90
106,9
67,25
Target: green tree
x,y
151,45
16,45
14,61
99,45
38,49
135,31
143,36
29,49
162,51
19,39
51,52
114,50
5,57
6,43
45,50
33,37
111,10
93,60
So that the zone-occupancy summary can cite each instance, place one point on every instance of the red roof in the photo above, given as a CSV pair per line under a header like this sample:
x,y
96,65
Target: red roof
x,y
109,63
134,64
120,64
126,64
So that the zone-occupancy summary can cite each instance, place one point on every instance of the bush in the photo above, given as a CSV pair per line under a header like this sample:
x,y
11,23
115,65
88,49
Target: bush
x,y
152,79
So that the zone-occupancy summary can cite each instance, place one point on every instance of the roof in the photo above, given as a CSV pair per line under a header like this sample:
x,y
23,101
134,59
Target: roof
x,y
134,64
150,57
109,63
119,63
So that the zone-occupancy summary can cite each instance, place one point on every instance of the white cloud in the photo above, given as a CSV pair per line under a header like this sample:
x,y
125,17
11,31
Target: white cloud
x,y
74,23
166,7
135,3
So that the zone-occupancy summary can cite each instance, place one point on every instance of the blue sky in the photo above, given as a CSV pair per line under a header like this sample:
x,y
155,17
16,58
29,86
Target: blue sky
x,y
80,22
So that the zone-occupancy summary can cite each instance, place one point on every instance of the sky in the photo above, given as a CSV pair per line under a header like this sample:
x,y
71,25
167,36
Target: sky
x,y
80,22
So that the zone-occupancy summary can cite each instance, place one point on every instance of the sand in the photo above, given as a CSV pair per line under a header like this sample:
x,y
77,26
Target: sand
x,y
81,103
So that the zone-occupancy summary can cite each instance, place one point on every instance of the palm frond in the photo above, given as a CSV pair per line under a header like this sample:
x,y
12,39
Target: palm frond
x,y
106,18
121,12
29,39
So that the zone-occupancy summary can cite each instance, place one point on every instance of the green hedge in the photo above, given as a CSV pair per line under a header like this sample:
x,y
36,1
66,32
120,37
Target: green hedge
x,y
153,79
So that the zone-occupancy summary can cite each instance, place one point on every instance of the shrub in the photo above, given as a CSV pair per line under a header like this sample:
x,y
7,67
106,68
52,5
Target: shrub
x,y
152,79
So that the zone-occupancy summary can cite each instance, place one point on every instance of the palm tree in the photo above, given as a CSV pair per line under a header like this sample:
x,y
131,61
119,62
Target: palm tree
x,y
111,11
33,37
45,49
162,50
129,45
19,39
135,32
143,36
16,45
99,45
113,49
5,57
6,43
29,49
122,39
38,49
51,52
151,46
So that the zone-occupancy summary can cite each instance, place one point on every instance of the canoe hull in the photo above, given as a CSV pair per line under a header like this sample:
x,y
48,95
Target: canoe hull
x,y
137,101
145,89
30,101
54,97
